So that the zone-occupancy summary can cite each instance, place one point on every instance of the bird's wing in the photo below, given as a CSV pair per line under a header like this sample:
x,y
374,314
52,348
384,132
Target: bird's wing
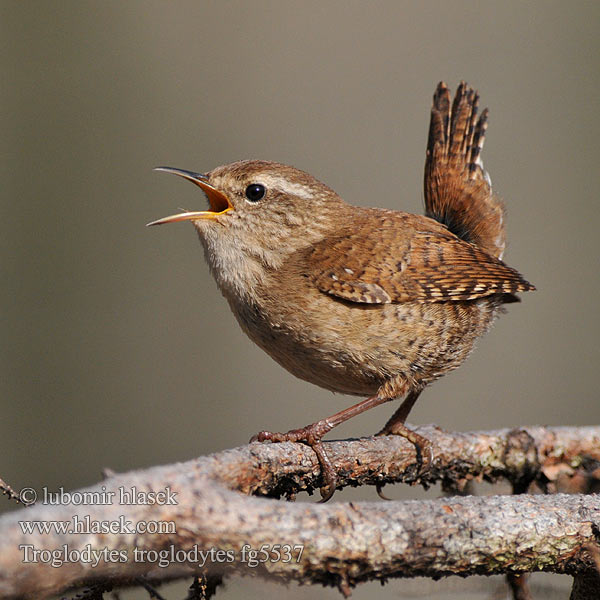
x,y
406,258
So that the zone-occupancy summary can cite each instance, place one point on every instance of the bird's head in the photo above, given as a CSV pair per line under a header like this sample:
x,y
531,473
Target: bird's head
x,y
258,211
259,195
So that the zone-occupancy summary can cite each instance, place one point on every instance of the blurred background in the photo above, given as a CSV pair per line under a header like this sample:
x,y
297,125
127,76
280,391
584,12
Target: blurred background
x,y
117,348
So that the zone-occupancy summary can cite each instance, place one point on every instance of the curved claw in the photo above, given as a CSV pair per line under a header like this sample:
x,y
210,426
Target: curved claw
x,y
379,488
424,462
307,436
328,473
423,447
326,494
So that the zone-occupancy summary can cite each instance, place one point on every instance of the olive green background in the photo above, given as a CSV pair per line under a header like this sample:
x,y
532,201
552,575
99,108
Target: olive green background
x,y
118,350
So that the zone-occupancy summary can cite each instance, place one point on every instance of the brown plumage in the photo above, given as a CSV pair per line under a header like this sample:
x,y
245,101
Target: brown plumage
x,y
363,301
426,264
458,192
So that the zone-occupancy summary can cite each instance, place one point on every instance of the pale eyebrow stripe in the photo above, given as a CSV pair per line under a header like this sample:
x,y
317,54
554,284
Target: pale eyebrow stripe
x,y
288,187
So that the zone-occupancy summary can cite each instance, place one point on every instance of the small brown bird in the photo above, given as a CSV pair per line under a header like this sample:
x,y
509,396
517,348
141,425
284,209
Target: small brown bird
x,y
363,301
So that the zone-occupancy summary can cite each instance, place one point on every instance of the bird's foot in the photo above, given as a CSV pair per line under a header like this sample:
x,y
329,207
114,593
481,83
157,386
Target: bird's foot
x,y
311,436
423,447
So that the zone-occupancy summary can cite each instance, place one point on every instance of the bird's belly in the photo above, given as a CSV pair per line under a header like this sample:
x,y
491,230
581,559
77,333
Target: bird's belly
x,y
354,348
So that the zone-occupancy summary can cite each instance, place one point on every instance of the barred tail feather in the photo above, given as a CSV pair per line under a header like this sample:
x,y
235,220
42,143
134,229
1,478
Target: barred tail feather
x,y
458,191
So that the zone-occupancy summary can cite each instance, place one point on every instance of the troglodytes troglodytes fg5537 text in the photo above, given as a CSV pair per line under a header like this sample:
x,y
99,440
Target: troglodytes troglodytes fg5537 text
x,y
363,301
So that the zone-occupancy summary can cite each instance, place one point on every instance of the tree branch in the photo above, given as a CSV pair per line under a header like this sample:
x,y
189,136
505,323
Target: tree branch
x,y
334,544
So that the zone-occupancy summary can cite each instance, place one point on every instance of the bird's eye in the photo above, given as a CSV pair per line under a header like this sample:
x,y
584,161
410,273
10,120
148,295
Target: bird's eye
x,y
255,192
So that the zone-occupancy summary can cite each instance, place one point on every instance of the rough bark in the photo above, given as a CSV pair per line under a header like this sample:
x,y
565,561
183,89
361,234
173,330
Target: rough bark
x,y
342,543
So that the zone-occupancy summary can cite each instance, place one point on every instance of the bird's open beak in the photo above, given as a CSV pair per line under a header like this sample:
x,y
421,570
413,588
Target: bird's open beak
x,y
219,203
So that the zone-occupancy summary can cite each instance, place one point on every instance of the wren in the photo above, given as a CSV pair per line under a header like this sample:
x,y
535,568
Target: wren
x,y
363,301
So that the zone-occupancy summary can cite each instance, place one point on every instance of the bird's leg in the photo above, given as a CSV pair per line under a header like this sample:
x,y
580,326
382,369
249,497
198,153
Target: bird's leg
x,y
401,413
312,434
395,426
